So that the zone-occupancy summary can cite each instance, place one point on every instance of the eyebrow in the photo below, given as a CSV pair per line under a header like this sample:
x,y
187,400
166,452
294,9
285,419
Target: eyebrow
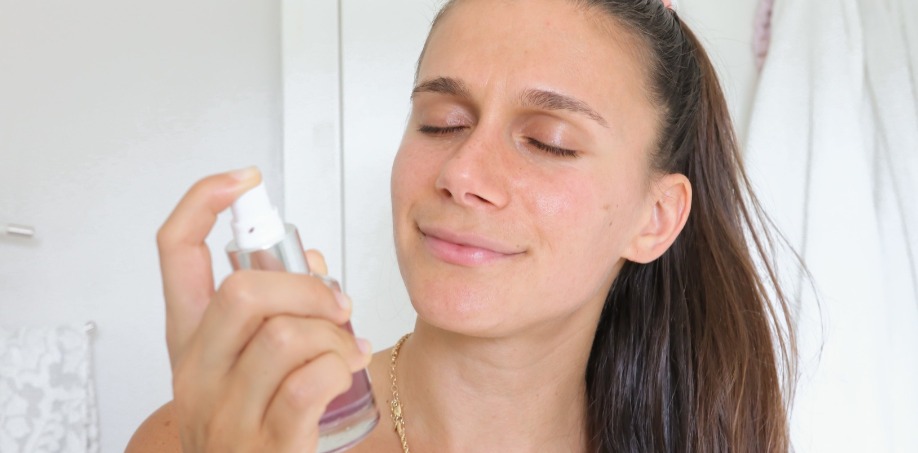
x,y
443,85
548,100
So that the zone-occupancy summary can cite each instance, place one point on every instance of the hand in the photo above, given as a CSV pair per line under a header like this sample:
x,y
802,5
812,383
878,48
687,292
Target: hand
x,y
256,361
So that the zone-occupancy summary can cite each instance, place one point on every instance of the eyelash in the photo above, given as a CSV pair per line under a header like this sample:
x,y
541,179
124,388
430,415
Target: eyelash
x,y
561,152
434,130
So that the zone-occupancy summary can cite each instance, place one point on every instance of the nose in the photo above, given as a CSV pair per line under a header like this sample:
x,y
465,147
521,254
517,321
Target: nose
x,y
476,172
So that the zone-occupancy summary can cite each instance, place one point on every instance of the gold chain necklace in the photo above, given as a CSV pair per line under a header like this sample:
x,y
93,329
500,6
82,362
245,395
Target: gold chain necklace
x,y
395,405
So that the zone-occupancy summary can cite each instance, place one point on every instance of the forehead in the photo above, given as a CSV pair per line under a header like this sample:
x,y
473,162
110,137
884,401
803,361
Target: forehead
x,y
509,46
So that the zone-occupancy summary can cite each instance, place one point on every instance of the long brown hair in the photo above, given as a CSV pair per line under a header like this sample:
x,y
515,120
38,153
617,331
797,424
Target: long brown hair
x,y
695,351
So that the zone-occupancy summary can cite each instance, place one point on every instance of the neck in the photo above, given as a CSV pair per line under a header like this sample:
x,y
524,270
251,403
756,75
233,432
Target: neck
x,y
520,393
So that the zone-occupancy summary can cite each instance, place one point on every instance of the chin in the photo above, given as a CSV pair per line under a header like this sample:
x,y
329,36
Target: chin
x,y
465,308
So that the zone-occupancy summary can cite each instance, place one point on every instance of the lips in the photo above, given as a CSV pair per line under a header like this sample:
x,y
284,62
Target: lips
x,y
465,249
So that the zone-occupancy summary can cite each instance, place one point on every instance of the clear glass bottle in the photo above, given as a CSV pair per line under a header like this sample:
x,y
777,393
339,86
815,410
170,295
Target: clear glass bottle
x,y
263,241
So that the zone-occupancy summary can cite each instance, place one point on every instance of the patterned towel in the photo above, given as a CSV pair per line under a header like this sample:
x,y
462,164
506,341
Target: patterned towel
x,y
47,393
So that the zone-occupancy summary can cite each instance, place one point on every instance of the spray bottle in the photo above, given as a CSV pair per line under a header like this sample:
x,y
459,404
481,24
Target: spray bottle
x,y
263,241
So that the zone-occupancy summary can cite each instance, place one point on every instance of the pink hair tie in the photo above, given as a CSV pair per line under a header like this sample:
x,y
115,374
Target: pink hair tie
x,y
762,38
668,3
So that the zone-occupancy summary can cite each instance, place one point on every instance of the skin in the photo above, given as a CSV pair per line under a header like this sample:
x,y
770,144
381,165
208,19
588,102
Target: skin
x,y
507,249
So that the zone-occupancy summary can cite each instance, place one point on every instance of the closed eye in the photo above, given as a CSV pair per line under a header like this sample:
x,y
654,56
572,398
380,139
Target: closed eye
x,y
554,150
436,130
562,152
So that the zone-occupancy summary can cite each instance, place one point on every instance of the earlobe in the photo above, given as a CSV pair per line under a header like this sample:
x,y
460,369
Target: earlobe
x,y
666,216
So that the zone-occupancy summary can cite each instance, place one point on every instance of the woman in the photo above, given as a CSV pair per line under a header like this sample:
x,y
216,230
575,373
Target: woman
x,y
573,225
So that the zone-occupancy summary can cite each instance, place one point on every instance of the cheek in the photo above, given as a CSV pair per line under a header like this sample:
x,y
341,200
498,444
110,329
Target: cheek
x,y
551,204
571,209
411,171
401,189
397,180
583,222
413,180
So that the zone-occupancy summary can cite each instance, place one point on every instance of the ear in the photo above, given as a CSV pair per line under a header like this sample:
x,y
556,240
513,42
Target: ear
x,y
671,202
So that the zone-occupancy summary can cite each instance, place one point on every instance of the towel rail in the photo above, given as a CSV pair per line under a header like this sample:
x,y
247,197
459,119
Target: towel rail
x,y
13,229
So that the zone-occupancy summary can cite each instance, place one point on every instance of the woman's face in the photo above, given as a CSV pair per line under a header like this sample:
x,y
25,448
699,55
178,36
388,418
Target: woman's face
x,y
523,175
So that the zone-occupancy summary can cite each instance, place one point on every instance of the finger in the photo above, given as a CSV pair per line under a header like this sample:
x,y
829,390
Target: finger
x,y
185,258
294,413
316,262
246,299
281,345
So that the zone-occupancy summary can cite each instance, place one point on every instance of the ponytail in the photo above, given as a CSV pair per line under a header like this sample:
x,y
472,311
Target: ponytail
x,y
690,349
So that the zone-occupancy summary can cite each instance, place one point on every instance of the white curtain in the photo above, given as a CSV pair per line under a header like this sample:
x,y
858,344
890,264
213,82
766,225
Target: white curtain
x,y
833,153
47,390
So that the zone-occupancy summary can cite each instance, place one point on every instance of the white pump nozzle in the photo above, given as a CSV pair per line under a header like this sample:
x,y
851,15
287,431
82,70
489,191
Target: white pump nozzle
x,y
256,224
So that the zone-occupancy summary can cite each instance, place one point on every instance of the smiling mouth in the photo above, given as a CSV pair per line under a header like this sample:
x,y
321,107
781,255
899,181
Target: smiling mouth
x,y
465,250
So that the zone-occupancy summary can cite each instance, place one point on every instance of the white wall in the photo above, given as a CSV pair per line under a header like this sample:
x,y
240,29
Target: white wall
x,y
109,110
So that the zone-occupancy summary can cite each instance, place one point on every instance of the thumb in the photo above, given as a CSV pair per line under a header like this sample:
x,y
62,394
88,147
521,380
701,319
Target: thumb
x,y
316,262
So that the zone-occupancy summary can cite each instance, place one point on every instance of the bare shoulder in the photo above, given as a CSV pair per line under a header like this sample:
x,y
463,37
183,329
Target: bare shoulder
x,y
158,433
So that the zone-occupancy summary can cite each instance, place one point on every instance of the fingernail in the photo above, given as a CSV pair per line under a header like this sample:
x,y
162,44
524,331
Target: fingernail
x,y
364,346
343,301
245,174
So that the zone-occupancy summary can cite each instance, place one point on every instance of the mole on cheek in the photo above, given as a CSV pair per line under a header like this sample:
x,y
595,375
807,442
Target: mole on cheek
x,y
607,208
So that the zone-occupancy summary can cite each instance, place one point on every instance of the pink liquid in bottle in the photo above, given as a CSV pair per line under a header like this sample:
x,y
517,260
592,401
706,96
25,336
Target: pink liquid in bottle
x,y
263,242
